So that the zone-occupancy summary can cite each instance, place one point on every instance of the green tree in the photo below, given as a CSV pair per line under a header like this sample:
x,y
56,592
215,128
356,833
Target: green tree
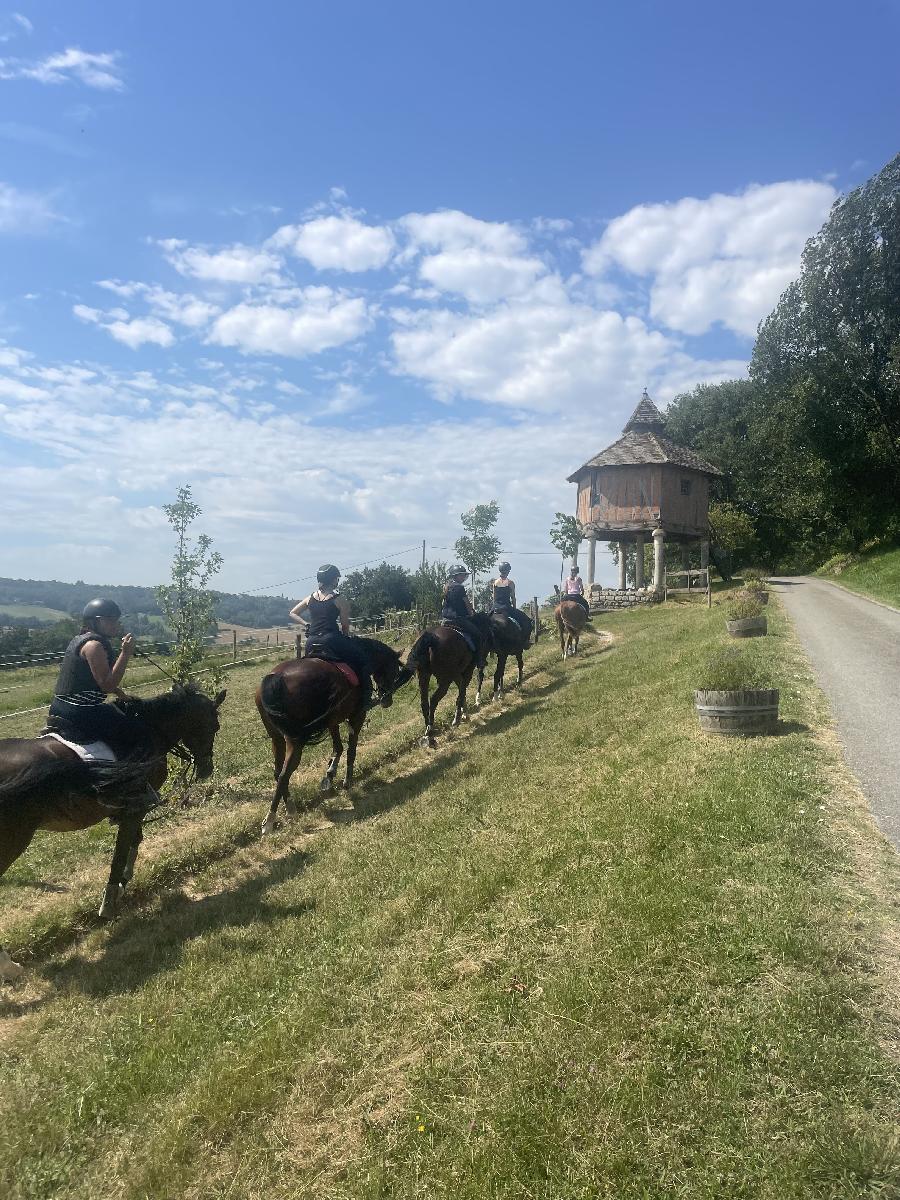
x,y
567,534
374,590
478,548
428,587
186,604
732,531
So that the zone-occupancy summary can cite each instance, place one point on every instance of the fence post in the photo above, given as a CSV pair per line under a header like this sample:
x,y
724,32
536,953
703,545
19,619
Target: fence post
x,y
234,645
537,618
299,643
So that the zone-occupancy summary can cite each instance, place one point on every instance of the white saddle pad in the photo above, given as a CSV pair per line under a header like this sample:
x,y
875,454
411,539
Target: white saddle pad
x,y
88,751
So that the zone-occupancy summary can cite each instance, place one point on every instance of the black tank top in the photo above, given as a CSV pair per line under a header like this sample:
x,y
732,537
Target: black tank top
x,y
501,597
455,602
76,682
323,617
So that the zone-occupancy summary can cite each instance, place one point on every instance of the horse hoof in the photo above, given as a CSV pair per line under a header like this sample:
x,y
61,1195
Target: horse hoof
x,y
110,906
346,785
326,787
269,825
9,970
464,716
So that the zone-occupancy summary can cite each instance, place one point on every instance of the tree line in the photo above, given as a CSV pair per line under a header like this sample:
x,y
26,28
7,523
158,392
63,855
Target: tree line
x,y
810,443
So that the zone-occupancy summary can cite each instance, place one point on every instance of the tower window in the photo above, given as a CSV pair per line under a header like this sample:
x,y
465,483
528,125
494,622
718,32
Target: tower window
x,y
686,487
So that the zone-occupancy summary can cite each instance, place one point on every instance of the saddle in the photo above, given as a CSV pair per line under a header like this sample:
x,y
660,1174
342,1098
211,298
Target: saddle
x,y
87,751
345,669
465,637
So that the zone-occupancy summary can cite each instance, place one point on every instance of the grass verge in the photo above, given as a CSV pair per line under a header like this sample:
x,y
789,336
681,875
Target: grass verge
x,y
876,574
582,951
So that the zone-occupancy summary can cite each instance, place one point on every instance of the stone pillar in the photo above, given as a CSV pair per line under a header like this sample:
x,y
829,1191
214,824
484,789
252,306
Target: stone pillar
x,y
659,560
592,553
623,546
704,554
639,561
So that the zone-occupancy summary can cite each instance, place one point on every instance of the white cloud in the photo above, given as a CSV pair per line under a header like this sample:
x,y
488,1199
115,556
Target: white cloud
x,y
133,332
537,356
100,71
340,243
184,309
25,212
233,264
483,261
13,25
322,319
724,259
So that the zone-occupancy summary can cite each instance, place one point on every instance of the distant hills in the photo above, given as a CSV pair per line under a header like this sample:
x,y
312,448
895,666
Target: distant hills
x,y
26,601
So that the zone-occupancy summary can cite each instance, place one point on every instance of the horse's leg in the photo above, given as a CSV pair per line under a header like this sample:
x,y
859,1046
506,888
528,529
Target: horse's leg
x,y
439,693
478,686
282,788
128,873
17,828
498,674
337,746
462,713
562,635
278,746
521,666
128,836
356,723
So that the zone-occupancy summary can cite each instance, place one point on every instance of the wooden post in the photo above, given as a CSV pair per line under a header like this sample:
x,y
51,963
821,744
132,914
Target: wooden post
x,y
299,643
234,645
537,618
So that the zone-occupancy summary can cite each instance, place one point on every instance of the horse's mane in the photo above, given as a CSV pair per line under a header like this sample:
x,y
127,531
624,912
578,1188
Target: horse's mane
x,y
167,704
379,647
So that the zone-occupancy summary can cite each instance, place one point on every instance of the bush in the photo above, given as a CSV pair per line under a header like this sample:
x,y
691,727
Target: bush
x,y
837,564
754,578
733,670
742,606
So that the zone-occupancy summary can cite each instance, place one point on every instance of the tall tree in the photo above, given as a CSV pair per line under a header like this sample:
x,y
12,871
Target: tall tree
x,y
566,534
478,547
374,590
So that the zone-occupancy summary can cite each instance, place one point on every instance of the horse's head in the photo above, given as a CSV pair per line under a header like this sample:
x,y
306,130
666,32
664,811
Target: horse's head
x,y
388,670
198,724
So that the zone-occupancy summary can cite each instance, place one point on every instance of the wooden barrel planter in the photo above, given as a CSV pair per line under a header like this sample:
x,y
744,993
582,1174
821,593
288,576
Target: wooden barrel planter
x,y
748,627
738,714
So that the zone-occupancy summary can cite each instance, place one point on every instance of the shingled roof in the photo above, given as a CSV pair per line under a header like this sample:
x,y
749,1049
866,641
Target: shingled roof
x,y
643,441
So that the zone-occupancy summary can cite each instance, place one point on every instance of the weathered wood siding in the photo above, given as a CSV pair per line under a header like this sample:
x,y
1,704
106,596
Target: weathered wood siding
x,y
631,497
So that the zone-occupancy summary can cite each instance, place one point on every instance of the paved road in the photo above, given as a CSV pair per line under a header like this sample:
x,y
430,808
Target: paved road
x,y
854,647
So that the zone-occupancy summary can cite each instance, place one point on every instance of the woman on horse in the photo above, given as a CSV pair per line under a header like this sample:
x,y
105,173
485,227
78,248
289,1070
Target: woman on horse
x,y
503,593
90,671
573,589
457,610
325,609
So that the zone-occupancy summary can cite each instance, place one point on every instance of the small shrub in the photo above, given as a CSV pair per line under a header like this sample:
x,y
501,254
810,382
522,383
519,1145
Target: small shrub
x,y
743,605
733,670
752,576
837,564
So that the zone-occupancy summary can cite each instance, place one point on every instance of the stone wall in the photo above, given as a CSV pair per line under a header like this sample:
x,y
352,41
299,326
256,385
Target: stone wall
x,y
608,599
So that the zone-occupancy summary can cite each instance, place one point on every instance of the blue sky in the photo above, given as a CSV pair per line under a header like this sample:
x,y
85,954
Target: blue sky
x,y
351,268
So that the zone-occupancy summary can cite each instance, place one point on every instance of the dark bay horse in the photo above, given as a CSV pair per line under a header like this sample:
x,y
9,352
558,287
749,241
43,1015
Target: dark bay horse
x,y
571,618
444,653
45,785
303,699
509,639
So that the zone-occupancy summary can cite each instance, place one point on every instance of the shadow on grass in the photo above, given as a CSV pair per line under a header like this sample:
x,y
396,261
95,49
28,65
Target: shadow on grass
x,y
137,949
786,727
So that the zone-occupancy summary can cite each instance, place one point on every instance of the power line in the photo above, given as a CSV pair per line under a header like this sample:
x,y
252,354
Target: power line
x,y
311,578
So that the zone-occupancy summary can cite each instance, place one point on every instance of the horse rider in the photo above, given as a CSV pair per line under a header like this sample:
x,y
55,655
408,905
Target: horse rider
x,y
503,600
325,609
90,671
457,610
573,589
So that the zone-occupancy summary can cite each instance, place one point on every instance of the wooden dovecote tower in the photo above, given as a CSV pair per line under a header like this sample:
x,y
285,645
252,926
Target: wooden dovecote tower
x,y
644,485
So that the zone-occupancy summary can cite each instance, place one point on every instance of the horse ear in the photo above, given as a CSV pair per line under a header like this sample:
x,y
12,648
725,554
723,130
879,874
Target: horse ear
x,y
220,698
178,688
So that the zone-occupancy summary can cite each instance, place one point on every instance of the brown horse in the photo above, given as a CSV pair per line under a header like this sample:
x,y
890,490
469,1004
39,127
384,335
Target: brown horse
x,y
510,640
303,699
571,618
444,653
45,785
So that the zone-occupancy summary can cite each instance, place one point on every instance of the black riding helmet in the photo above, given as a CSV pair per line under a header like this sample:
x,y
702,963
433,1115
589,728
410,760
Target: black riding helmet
x,y
328,574
459,569
504,568
101,608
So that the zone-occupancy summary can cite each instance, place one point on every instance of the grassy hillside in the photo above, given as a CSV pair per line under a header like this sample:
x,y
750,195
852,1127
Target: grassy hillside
x,y
14,613
876,574
579,951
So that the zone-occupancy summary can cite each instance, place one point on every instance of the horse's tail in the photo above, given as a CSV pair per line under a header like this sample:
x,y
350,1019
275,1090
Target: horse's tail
x,y
274,698
422,646
53,777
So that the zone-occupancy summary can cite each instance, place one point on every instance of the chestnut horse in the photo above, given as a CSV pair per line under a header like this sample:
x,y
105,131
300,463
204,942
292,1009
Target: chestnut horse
x,y
444,653
571,618
303,699
45,785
